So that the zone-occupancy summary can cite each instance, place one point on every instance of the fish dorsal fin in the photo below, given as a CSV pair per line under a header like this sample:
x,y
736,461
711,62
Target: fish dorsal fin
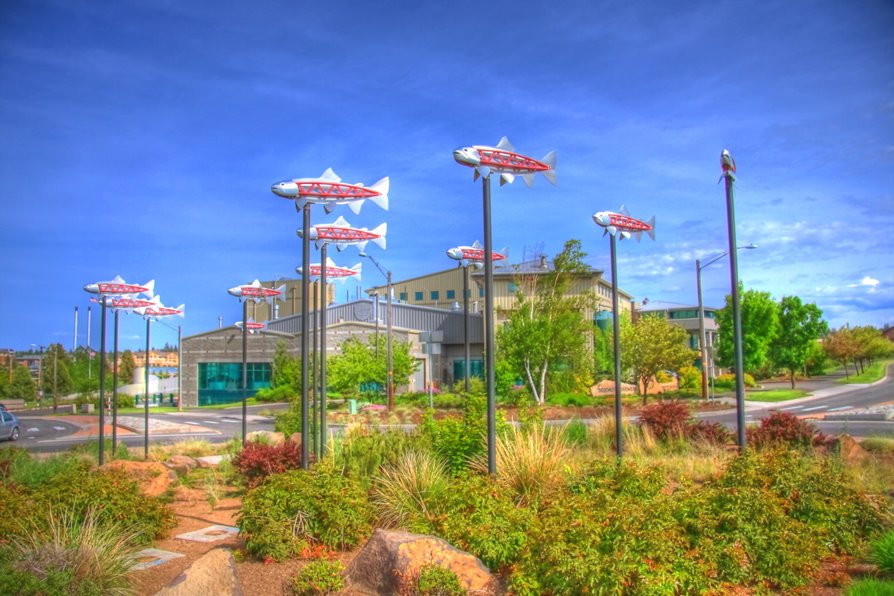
x,y
330,176
505,145
330,262
341,222
118,280
255,284
477,245
623,211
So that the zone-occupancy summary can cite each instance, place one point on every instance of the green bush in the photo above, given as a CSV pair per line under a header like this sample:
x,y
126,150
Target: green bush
x,y
283,393
320,577
728,381
871,587
458,440
576,433
566,399
292,510
881,551
434,580
689,377
361,452
288,421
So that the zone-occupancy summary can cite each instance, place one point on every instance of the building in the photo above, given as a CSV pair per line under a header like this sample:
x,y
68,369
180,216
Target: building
x,y
443,289
212,361
687,318
291,304
156,358
34,363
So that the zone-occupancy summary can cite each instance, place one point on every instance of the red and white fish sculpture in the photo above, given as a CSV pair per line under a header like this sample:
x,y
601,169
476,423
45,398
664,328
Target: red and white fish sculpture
x,y
333,271
475,253
504,160
159,310
250,326
127,302
623,225
255,291
342,234
727,164
329,190
119,286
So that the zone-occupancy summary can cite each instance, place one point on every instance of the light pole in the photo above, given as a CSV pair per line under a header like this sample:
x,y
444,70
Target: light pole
x,y
389,383
728,166
703,344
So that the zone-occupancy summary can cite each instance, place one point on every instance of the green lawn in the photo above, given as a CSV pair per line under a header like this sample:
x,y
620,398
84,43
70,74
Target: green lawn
x,y
775,395
872,373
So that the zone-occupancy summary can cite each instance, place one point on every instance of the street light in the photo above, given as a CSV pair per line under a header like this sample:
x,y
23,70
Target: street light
x,y
702,340
388,355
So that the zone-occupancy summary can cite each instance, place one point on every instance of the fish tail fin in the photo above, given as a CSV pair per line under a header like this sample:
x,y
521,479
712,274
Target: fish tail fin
x,y
381,230
150,288
282,293
182,313
550,160
651,230
381,187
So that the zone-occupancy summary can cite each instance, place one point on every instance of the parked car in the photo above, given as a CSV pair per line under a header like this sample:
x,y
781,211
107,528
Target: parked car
x,y
9,426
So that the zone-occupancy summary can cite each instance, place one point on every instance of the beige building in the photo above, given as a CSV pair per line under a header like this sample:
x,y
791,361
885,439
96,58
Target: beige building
x,y
444,289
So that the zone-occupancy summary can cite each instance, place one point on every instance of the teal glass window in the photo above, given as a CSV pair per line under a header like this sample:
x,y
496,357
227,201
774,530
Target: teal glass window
x,y
451,294
403,297
221,382
435,295
419,296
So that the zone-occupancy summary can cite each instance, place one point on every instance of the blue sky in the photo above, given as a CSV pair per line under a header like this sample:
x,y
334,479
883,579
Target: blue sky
x,y
141,138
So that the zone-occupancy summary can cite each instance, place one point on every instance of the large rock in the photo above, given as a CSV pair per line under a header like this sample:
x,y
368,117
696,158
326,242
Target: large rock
x,y
153,478
849,449
212,573
270,437
390,558
182,464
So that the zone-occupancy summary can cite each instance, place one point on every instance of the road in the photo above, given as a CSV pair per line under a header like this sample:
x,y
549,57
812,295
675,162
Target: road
x,y
49,434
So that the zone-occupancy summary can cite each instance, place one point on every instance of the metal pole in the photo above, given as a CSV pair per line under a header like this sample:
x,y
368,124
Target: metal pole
x,y
388,353
467,367
489,330
89,357
244,371
115,389
313,374
56,377
703,350
146,401
737,315
74,343
616,341
323,322
102,383
305,336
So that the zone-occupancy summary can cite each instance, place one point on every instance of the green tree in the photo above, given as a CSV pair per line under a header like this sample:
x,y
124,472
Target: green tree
x,y
361,363
800,326
547,329
653,344
55,378
603,352
871,345
286,369
841,346
759,323
22,385
126,367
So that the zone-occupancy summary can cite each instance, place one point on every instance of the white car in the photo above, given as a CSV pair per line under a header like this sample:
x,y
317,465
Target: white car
x,y
9,426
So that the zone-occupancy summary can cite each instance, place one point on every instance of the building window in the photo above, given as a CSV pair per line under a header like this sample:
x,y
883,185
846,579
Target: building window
x,y
683,314
451,294
435,295
403,296
512,287
418,297
221,382
481,292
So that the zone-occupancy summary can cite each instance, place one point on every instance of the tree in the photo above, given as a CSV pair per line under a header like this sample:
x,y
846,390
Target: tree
x,y
841,346
55,378
652,344
759,323
603,352
286,369
548,327
363,363
800,325
22,386
126,367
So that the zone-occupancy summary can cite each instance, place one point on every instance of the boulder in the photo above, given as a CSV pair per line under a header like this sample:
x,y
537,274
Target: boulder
x,y
392,559
182,464
212,573
153,478
270,437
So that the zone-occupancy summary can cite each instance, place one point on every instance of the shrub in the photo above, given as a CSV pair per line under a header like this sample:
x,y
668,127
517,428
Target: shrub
x,y
663,377
728,381
566,399
68,554
402,490
257,460
782,429
871,587
288,421
362,450
666,419
709,432
881,552
529,463
292,510
575,433
434,580
515,397
283,393
458,440
320,577
689,378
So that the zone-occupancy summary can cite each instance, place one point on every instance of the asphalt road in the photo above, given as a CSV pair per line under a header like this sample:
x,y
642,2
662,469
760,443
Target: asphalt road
x,y
46,434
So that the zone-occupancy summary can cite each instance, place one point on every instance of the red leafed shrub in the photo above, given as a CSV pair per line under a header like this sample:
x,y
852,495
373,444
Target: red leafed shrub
x,y
256,461
666,419
710,432
782,428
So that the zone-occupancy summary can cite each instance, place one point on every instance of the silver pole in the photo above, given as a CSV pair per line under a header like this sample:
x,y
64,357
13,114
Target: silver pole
x,y
737,315
89,357
323,322
146,401
102,383
489,330
388,353
703,350
305,336
616,341
179,368
244,371
74,343
467,368
115,388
